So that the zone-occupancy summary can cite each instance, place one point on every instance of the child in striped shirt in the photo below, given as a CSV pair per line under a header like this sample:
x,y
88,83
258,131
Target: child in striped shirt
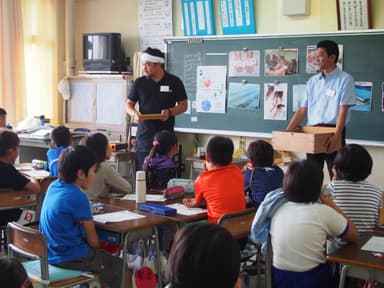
x,y
350,190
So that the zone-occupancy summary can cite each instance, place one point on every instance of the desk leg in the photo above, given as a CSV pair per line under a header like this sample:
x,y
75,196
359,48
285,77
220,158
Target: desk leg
x,y
158,258
125,264
133,172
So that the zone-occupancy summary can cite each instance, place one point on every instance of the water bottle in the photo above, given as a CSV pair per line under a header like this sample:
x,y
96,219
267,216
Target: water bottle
x,y
141,187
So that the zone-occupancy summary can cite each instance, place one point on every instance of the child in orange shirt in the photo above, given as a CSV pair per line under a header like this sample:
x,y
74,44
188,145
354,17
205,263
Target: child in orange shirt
x,y
221,186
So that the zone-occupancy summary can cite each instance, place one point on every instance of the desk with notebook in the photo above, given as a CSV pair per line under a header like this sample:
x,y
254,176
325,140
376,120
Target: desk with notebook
x,y
184,214
358,261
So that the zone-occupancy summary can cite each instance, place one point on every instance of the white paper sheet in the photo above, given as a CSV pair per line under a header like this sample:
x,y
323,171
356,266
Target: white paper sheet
x,y
36,173
183,210
117,216
148,197
374,244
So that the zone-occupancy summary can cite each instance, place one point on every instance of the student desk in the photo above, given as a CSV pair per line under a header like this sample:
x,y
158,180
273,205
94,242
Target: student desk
x,y
357,262
124,228
197,165
178,218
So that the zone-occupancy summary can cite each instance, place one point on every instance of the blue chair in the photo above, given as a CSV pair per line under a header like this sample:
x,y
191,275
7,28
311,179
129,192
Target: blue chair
x,y
31,244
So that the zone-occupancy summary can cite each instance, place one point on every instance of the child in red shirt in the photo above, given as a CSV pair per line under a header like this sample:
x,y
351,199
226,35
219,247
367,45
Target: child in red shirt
x,y
221,186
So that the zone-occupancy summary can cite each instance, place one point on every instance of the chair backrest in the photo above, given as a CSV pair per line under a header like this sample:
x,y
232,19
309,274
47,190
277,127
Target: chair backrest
x,y
44,184
10,199
238,223
158,178
30,243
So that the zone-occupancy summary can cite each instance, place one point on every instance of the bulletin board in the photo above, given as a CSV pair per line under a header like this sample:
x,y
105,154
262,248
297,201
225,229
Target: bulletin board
x,y
362,58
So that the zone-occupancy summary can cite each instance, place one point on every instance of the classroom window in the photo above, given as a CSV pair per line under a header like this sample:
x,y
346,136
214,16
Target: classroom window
x,y
39,52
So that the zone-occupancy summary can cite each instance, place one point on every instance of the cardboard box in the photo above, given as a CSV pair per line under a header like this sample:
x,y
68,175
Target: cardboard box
x,y
308,139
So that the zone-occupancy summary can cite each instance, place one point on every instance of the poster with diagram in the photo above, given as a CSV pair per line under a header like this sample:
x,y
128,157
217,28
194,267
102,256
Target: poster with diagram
x,y
211,89
275,101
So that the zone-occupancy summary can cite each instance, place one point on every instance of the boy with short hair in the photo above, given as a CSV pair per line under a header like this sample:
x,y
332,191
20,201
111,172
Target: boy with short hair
x,y
262,176
221,186
61,139
67,223
9,176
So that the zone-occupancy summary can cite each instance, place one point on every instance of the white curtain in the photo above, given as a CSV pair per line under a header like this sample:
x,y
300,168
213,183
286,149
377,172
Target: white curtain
x,y
12,81
40,49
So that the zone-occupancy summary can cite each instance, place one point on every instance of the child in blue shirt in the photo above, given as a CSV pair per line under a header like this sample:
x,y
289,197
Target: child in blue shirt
x,y
261,176
159,164
61,139
66,219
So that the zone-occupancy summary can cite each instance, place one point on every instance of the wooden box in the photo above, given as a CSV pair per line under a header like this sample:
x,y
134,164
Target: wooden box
x,y
308,139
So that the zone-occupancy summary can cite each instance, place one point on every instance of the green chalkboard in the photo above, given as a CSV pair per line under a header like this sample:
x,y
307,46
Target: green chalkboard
x,y
363,58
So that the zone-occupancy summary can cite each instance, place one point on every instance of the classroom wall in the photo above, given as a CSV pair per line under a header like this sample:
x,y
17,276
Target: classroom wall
x,y
121,16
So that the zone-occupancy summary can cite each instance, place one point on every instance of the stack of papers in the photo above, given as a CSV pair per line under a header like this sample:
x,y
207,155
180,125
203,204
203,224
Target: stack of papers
x,y
116,216
184,210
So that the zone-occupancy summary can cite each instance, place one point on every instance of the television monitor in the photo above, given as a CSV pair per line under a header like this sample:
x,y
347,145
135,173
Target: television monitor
x,y
102,52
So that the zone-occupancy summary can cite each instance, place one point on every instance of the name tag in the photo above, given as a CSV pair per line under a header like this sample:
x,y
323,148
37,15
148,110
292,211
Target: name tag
x,y
330,92
164,88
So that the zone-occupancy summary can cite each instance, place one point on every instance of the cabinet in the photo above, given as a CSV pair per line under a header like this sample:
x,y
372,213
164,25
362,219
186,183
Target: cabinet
x,y
97,102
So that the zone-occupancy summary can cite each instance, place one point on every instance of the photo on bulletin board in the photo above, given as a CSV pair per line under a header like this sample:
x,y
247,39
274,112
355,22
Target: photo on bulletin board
x,y
281,62
363,91
244,96
237,17
197,17
275,101
312,65
244,63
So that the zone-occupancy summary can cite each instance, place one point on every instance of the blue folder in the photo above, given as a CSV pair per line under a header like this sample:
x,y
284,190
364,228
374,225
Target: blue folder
x,y
157,209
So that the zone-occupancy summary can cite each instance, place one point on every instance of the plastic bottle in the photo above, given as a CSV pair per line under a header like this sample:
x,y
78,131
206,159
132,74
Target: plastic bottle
x,y
141,187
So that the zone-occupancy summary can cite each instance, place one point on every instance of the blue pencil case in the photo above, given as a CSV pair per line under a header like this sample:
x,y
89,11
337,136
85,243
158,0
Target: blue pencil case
x,y
157,209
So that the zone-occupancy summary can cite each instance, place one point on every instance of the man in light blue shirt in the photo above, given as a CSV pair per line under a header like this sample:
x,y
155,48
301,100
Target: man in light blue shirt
x,y
328,97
